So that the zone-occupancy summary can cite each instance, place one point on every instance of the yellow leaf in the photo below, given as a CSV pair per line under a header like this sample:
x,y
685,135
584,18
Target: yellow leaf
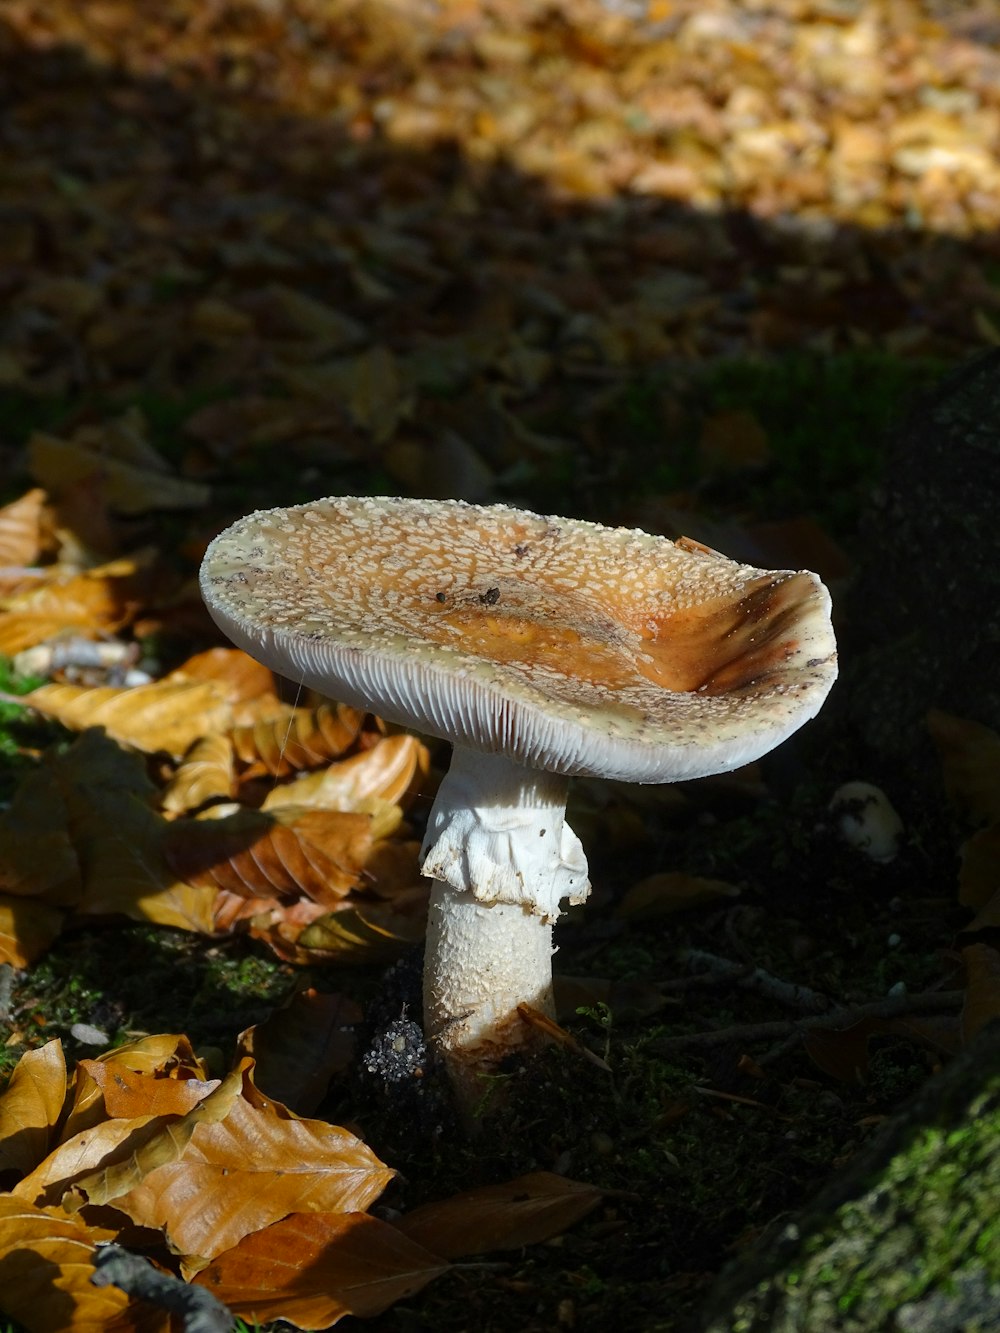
x,y
21,529
166,715
47,1263
97,601
205,774
30,1107
363,935
27,928
386,772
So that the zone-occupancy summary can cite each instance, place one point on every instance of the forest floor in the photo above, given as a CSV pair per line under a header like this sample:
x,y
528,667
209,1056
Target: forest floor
x,y
674,266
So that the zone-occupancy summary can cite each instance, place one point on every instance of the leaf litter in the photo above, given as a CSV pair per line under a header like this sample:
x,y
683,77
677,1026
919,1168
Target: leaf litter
x,y
225,239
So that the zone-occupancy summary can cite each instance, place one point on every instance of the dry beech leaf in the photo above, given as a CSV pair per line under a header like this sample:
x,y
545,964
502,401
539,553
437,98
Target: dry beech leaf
x,y
131,486
128,1095
843,1053
982,994
243,1173
311,1269
164,1055
165,715
206,773
30,1107
979,874
970,757
98,601
22,530
317,854
37,855
297,738
672,891
524,1211
386,772
112,1157
240,677
299,1049
119,839
46,1259
27,928
362,935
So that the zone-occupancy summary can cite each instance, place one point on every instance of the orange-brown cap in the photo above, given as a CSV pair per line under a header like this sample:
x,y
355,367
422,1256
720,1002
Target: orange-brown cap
x,y
569,646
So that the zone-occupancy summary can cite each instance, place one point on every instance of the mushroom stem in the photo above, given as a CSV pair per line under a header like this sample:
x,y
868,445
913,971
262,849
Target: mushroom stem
x,y
504,858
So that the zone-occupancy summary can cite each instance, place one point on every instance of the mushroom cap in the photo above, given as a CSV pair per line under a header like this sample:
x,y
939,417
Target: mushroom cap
x,y
566,645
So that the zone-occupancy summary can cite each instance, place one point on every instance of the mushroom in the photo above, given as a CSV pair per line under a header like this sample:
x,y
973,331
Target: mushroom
x,y
541,648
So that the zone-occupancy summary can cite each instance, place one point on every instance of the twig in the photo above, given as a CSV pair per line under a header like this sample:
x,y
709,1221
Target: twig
x,y
890,1006
756,979
200,1310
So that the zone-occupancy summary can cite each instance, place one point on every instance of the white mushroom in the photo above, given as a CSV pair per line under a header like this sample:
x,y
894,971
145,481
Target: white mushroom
x,y
541,648
867,820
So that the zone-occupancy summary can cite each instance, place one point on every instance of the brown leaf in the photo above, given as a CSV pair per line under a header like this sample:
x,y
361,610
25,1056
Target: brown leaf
x,y
387,772
165,715
979,874
204,774
299,1049
982,996
843,1053
297,738
245,1172
241,679
970,757
105,1162
135,479
166,1055
119,839
30,1108
97,601
27,928
524,1211
22,530
314,1268
128,1095
361,935
317,854
672,891
37,855
46,1266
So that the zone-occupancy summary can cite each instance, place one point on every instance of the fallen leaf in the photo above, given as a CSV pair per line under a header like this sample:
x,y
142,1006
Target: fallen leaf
x,y
30,1107
27,928
525,1211
362,935
970,758
128,1094
165,715
982,995
386,772
299,1049
205,774
312,1269
22,529
671,891
297,738
240,1174
46,1266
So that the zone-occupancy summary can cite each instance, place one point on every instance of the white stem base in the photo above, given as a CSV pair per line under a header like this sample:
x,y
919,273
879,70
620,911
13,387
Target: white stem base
x,y
482,962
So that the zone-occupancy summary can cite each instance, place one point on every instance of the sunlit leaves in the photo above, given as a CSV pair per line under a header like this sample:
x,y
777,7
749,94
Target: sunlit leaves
x,y
220,1182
